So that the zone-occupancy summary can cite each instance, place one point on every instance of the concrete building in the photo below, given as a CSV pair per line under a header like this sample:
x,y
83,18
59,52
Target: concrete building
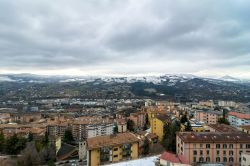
x,y
245,129
238,119
212,147
122,125
139,119
222,103
208,116
245,159
111,149
57,128
89,127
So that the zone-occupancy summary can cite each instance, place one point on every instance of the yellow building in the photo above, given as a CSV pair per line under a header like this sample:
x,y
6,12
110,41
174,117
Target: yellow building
x,y
157,123
111,149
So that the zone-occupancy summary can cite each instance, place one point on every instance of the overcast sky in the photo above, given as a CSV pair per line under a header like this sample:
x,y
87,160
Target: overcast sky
x,y
117,37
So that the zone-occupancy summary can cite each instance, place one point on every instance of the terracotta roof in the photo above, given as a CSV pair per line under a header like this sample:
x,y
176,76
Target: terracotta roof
x,y
240,115
163,117
111,140
173,158
211,137
223,128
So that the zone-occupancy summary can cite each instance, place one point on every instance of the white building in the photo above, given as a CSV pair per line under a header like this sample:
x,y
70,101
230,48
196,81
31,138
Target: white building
x,y
88,127
237,119
245,159
101,129
227,103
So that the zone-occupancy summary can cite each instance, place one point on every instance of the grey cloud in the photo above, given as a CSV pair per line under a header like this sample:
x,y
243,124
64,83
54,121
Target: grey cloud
x,y
124,36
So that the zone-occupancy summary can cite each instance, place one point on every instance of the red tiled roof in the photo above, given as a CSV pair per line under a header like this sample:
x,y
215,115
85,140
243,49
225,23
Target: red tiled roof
x,y
240,115
173,158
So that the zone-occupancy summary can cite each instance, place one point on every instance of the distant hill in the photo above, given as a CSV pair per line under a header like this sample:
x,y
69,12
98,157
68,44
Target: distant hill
x,y
177,87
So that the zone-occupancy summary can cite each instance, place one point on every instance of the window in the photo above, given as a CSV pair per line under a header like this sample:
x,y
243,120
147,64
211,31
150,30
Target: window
x,y
217,146
201,145
195,152
224,159
231,152
207,152
208,146
224,152
248,146
218,152
194,145
115,156
208,159
224,146
231,146
231,159
240,152
241,146
115,149
201,152
194,159
217,159
201,159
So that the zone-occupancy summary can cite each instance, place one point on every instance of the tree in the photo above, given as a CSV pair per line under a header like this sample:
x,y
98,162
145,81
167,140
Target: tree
x,y
68,137
48,154
30,137
29,156
2,143
223,121
45,140
169,137
188,126
115,129
146,146
184,119
15,144
130,125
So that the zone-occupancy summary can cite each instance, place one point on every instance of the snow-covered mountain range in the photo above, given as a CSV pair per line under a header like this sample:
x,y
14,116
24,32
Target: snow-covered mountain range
x,y
170,79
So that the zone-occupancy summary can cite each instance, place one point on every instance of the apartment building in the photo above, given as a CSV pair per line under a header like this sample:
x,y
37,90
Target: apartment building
x,y
111,149
245,129
245,159
88,127
213,147
157,125
57,128
208,116
122,125
238,119
139,119
38,130
222,103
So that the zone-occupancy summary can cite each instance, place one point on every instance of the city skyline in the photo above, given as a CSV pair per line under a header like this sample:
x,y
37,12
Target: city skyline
x,y
204,38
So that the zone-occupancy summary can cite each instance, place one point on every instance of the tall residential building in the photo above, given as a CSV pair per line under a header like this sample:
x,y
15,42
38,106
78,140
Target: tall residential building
x,y
157,124
238,119
208,116
111,149
57,128
88,127
138,118
213,147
